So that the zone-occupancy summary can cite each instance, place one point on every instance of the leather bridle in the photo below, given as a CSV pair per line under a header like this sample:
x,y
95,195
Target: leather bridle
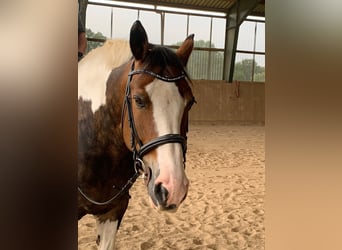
x,y
135,140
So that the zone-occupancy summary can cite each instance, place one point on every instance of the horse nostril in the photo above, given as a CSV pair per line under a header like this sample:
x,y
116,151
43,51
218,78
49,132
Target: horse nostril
x,y
161,194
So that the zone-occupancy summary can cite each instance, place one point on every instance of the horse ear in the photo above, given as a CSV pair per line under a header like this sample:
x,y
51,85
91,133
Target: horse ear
x,y
138,41
184,51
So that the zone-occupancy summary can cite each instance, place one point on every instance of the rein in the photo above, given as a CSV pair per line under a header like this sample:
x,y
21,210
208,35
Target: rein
x,y
123,190
139,166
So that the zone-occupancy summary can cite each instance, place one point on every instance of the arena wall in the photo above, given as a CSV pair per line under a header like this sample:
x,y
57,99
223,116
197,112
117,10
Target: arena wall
x,y
228,102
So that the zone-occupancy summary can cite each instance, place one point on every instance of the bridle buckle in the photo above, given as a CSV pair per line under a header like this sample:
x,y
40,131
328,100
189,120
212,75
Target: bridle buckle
x,y
139,166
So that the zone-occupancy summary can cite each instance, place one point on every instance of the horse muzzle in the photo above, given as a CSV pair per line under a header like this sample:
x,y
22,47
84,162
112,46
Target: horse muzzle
x,y
166,196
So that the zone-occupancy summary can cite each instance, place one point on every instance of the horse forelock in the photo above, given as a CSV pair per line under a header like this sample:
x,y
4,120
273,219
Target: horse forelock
x,y
96,66
164,61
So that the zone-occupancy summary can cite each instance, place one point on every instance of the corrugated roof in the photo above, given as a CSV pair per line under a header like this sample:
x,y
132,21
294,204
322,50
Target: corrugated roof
x,y
216,5
213,5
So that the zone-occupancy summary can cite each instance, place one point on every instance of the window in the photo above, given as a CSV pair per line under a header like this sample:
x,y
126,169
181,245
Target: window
x,y
120,28
102,15
260,37
246,36
206,62
108,21
175,28
217,41
151,21
200,26
250,53
98,31
217,34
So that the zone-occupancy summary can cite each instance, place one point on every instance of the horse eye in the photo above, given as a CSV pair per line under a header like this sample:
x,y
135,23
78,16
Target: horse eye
x,y
139,101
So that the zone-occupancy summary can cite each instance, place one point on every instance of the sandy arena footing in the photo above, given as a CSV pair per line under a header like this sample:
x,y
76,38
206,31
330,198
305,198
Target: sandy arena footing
x,y
224,209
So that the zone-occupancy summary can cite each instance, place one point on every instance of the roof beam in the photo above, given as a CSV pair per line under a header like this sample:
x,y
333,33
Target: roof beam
x,y
185,5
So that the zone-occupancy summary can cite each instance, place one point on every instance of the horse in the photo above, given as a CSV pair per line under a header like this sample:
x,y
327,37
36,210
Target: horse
x,y
133,103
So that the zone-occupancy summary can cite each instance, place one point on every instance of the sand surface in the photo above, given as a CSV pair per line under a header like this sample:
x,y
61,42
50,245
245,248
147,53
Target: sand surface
x,y
224,208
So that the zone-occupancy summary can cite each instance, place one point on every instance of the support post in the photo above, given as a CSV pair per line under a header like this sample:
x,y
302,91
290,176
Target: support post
x,y
235,16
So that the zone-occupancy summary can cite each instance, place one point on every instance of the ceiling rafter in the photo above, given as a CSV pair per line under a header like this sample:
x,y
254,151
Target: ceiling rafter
x,y
214,5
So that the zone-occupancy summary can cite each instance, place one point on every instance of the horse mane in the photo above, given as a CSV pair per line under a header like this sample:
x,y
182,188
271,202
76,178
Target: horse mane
x,y
95,67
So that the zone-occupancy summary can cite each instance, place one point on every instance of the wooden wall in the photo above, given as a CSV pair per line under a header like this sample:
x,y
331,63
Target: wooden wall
x,y
228,102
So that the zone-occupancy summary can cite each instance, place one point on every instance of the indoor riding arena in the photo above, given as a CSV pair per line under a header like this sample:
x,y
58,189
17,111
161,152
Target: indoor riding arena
x,y
225,163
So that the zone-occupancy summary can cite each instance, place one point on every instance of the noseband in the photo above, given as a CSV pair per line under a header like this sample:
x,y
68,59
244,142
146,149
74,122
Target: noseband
x,y
135,139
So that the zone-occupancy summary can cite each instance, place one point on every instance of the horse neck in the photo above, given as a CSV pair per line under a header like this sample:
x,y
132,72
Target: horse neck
x,y
102,151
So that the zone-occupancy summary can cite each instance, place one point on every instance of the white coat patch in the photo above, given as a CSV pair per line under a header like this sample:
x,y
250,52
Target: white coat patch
x,y
95,67
107,232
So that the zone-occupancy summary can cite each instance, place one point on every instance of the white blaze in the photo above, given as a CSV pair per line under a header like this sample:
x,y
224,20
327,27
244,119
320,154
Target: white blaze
x,y
168,106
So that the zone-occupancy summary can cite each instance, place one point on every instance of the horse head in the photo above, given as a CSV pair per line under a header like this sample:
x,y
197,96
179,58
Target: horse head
x,y
155,116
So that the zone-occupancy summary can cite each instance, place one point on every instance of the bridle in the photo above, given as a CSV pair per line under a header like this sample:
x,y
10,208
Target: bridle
x,y
135,140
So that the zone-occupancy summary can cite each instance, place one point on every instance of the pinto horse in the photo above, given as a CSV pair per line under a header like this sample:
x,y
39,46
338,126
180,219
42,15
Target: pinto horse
x,y
133,106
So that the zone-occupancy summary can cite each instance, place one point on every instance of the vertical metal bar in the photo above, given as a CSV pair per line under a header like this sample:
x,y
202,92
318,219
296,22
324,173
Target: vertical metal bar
x,y
236,37
111,22
232,33
254,45
235,16
187,25
162,27
210,40
225,76
138,15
